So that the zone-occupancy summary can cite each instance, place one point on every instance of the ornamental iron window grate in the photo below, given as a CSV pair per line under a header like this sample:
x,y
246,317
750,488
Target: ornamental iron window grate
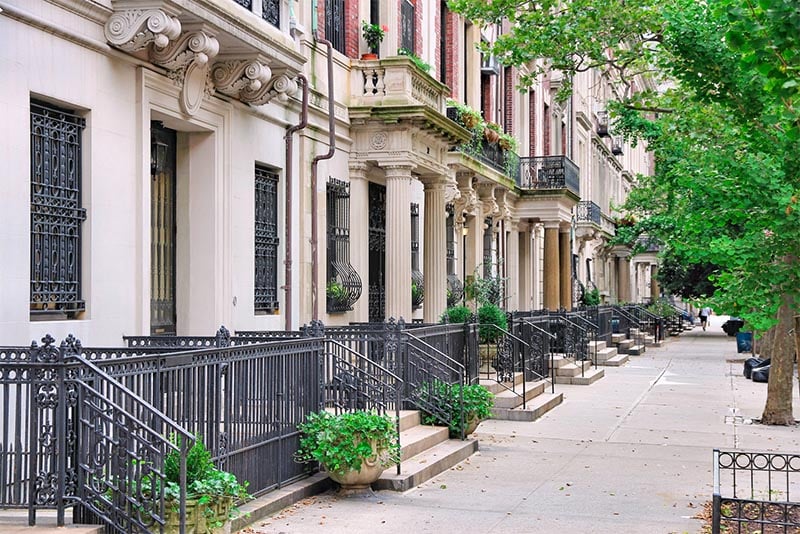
x,y
163,230
334,24
266,241
377,253
417,278
408,26
247,4
56,211
271,12
455,290
343,287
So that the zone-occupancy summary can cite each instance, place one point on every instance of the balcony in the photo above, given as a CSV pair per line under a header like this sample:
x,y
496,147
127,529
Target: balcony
x,y
395,82
549,172
504,161
588,211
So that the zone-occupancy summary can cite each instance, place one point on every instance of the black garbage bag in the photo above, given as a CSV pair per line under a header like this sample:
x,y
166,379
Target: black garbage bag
x,y
749,363
761,374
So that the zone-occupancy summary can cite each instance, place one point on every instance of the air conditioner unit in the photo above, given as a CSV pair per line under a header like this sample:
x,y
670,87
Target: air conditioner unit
x,y
616,146
489,65
602,123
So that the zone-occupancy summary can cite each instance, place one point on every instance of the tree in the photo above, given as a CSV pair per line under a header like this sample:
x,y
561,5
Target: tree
x,y
725,134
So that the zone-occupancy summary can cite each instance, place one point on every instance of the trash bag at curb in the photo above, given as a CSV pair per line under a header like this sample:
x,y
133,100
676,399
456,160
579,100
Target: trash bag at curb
x,y
749,364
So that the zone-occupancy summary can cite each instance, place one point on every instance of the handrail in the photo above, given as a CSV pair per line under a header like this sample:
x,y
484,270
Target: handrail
x,y
456,367
529,321
523,362
362,357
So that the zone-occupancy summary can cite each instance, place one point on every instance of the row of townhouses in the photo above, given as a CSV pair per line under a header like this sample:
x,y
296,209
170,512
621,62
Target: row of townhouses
x,y
174,165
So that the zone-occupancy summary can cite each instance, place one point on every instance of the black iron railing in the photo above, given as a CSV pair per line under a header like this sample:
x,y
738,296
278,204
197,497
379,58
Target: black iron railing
x,y
549,172
753,492
588,211
502,160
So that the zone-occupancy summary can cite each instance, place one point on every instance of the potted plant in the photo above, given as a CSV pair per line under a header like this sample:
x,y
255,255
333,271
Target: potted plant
x,y
507,142
470,118
336,295
373,34
492,322
210,492
492,132
456,314
447,400
353,447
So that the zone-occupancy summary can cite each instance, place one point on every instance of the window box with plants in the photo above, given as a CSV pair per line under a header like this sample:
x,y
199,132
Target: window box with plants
x,y
336,297
353,447
210,493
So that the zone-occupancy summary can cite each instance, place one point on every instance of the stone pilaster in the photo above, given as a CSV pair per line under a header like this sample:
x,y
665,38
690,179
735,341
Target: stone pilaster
x,y
435,253
359,234
654,289
565,266
398,241
512,267
525,300
623,279
552,271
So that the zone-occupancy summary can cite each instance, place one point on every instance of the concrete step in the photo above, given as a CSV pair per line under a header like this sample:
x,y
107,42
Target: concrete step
x,y
420,438
496,387
275,501
624,345
649,340
573,369
597,345
426,465
606,354
508,399
615,361
636,350
409,419
590,377
617,338
533,409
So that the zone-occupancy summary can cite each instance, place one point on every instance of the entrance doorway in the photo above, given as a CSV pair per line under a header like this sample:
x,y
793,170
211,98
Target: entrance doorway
x,y
162,230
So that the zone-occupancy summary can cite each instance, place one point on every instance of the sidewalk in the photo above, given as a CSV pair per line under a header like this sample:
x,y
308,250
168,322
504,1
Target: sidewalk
x,y
628,454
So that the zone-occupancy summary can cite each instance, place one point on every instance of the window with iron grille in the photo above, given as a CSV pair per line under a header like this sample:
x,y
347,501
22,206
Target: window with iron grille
x,y
266,241
271,12
488,239
56,210
417,278
334,24
408,26
343,285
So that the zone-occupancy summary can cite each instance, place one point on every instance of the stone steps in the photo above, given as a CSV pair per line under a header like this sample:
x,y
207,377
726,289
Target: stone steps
x,y
615,361
533,409
605,354
571,369
509,399
589,377
426,465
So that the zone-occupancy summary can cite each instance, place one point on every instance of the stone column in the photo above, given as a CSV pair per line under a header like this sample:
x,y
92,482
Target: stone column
x,y
398,242
552,271
512,267
537,260
435,253
623,279
654,289
359,235
565,264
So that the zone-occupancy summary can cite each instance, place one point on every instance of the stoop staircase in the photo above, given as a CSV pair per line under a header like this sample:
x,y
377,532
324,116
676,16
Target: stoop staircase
x,y
520,400
577,373
425,451
606,355
627,346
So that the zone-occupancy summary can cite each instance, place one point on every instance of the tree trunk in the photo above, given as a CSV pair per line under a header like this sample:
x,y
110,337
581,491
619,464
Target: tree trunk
x,y
778,410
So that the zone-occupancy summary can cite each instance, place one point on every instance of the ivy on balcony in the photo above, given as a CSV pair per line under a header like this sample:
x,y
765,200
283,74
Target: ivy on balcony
x,y
487,144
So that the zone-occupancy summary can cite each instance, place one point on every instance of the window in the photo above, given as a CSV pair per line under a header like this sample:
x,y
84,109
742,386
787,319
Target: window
x,y
56,210
334,24
343,286
417,278
271,12
408,26
266,241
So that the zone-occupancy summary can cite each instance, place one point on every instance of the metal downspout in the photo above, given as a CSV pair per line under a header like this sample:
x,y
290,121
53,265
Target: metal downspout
x,y
288,215
314,165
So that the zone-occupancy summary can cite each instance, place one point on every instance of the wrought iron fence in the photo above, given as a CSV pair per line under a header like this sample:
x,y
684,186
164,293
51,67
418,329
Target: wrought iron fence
x,y
549,172
588,211
754,492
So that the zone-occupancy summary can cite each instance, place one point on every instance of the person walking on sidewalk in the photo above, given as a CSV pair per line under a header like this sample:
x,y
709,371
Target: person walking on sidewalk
x,y
705,313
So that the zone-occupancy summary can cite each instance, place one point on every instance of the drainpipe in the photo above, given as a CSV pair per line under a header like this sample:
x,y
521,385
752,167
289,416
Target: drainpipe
x,y
314,165
288,215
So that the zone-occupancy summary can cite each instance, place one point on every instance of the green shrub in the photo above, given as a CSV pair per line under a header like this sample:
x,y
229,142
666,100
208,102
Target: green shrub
x,y
456,314
491,316
591,297
342,442
443,398
204,482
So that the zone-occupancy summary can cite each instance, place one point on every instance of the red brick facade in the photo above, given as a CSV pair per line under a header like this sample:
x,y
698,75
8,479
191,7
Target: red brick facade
x,y
531,123
453,58
508,93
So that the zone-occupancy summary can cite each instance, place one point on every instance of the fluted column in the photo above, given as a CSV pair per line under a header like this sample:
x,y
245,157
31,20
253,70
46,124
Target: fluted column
x,y
359,235
565,264
513,267
435,253
398,242
552,271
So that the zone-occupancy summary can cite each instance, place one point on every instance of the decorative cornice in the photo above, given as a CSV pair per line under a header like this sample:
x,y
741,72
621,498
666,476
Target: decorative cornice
x,y
134,29
487,199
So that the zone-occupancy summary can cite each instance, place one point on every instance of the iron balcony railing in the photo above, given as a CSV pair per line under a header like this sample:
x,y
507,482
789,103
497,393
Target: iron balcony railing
x,y
502,160
588,211
270,9
549,172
